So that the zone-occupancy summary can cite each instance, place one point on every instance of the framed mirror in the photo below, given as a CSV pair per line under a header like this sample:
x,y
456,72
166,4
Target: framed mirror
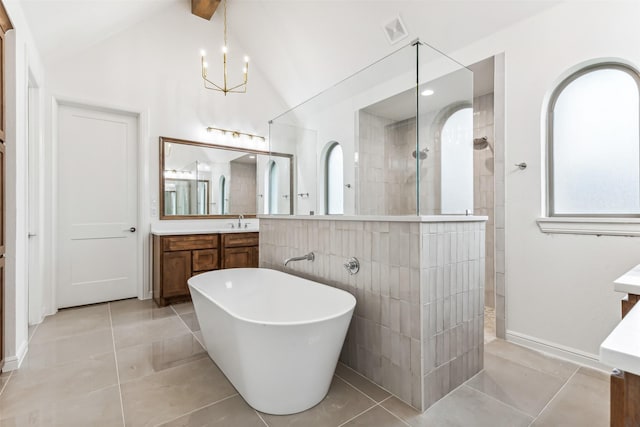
x,y
203,180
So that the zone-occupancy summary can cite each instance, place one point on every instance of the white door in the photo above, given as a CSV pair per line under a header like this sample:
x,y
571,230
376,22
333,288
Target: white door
x,y
97,206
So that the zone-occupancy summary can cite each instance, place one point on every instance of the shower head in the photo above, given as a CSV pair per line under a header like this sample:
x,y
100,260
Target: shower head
x,y
423,154
480,143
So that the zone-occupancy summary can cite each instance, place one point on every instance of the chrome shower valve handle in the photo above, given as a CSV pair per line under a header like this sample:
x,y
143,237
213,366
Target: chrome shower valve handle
x,y
352,265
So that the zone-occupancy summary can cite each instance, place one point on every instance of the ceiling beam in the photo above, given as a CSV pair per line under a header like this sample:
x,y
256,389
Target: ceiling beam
x,y
5,22
204,8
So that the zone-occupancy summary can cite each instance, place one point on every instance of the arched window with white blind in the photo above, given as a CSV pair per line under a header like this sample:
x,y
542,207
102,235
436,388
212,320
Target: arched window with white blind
x,y
593,141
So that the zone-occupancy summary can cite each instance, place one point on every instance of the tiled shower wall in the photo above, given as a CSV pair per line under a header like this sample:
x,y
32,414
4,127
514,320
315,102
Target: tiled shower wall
x,y
417,328
386,169
483,185
371,164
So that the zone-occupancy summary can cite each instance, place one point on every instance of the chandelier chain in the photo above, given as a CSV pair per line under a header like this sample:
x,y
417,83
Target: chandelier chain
x,y
225,22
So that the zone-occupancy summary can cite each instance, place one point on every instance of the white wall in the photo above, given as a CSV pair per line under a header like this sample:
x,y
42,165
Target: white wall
x,y
153,69
558,287
559,292
551,297
21,58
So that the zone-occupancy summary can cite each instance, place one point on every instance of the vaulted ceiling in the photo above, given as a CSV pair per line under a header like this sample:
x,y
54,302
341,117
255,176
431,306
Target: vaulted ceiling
x,y
302,46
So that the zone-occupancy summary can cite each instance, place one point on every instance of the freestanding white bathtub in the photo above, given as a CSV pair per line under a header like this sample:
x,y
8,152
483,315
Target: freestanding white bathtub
x,y
276,337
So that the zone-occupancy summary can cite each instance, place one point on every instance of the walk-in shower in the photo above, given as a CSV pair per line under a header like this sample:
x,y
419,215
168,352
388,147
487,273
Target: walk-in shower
x,y
405,128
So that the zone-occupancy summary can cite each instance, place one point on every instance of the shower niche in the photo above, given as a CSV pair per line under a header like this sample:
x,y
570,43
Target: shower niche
x,y
404,126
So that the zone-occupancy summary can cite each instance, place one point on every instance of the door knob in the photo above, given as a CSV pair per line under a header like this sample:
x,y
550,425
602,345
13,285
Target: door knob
x,y
132,229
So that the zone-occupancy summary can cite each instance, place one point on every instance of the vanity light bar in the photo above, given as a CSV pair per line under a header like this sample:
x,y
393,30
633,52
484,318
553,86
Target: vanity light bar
x,y
235,133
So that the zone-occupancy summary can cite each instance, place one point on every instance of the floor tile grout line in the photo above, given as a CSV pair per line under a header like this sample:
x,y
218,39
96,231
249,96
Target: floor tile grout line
x,y
261,419
393,413
11,373
115,356
357,415
539,353
554,396
197,409
353,386
5,384
187,326
34,332
497,400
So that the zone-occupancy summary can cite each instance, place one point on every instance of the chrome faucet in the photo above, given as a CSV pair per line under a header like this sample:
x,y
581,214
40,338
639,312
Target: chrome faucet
x,y
240,218
309,257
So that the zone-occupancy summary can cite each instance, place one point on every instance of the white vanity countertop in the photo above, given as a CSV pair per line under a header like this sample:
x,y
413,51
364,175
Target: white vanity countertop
x,y
390,218
629,283
621,349
175,231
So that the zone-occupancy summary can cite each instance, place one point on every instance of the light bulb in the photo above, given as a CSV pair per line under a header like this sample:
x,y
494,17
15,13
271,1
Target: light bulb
x,y
244,70
224,49
246,59
205,65
203,52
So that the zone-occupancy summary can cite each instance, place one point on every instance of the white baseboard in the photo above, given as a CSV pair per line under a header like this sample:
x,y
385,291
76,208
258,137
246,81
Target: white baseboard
x,y
12,363
556,350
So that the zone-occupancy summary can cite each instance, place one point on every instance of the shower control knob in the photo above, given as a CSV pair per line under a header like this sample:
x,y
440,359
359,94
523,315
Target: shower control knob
x,y
352,265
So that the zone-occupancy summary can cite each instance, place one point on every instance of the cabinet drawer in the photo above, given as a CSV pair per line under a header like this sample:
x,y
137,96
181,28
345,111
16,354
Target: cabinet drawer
x,y
185,243
233,240
205,259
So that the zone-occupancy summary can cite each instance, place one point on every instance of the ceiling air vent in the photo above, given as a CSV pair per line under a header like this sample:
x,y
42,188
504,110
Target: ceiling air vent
x,y
395,30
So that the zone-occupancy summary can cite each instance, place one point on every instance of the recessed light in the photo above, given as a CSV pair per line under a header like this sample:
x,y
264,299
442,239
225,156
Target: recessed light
x,y
427,92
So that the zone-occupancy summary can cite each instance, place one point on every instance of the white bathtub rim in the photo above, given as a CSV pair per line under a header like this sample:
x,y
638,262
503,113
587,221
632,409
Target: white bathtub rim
x,y
279,323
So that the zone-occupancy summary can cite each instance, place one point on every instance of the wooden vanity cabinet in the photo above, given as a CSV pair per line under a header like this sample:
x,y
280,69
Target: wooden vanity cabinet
x,y
176,259
240,250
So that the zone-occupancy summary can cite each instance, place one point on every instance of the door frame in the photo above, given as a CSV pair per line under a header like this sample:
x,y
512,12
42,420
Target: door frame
x,y
143,217
35,199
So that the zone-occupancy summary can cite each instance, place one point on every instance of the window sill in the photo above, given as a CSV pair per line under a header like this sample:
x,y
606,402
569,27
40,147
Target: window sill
x,y
595,226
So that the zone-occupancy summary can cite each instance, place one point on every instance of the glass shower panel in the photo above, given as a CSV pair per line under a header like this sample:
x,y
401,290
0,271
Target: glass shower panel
x,y
388,120
445,134
354,114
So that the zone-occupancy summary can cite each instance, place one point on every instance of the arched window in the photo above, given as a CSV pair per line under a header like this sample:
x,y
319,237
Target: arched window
x,y
594,143
223,195
334,195
271,188
456,180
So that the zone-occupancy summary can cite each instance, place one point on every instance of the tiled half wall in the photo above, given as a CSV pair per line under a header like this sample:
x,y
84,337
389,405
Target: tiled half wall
x,y
418,325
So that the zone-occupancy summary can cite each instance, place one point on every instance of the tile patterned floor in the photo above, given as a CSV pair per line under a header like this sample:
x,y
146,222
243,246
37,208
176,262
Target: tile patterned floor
x,y
131,363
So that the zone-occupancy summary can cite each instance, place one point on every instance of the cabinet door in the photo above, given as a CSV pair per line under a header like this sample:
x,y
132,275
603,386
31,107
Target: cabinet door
x,y
205,260
255,257
237,257
176,269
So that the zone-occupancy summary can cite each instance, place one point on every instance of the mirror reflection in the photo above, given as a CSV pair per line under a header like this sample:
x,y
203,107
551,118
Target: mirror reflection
x,y
207,180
